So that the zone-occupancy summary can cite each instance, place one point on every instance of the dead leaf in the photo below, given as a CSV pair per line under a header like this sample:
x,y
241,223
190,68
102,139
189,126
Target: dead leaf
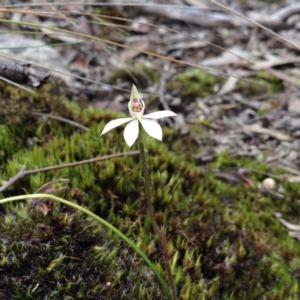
x,y
228,86
271,132
290,226
140,25
294,106
235,178
291,178
187,45
55,187
274,61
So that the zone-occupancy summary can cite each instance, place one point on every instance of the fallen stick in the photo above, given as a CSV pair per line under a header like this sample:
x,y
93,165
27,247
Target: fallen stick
x,y
23,173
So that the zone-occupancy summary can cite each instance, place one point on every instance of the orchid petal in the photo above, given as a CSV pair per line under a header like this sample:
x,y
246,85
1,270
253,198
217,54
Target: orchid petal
x,y
160,114
131,132
152,128
134,95
114,123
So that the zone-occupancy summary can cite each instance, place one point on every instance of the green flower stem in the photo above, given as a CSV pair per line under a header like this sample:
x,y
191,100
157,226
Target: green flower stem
x,y
151,209
147,186
103,222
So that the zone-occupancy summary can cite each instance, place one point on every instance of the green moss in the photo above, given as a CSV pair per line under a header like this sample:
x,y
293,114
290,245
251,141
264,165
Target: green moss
x,y
65,255
194,83
263,83
223,240
262,112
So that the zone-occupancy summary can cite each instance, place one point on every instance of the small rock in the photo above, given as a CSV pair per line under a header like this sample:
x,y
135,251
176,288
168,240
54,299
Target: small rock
x,y
269,184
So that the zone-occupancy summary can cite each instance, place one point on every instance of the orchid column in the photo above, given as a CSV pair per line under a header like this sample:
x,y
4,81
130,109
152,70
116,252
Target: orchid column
x,y
132,132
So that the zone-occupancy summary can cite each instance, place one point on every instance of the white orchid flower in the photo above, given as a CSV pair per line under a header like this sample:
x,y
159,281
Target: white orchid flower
x,y
136,108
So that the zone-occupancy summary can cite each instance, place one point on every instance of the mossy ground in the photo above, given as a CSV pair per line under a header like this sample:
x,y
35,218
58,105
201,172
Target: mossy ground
x,y
264,83
193,83
198,83
223,240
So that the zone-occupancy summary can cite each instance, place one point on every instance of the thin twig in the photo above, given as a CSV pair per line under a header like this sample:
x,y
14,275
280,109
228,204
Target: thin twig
x,y
61,119
82,162
256,24
109,42
14,179
16,84
64,73
23,173
97,16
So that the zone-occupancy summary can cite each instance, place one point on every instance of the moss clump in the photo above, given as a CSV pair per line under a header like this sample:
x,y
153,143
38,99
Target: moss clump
x,y
17,105
194,83
263,83
223,241
50,251
20,127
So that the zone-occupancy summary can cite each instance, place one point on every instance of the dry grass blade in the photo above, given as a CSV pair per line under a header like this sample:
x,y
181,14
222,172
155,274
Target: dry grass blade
x,y
62,120
95,39
92,39
256,24
16,85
